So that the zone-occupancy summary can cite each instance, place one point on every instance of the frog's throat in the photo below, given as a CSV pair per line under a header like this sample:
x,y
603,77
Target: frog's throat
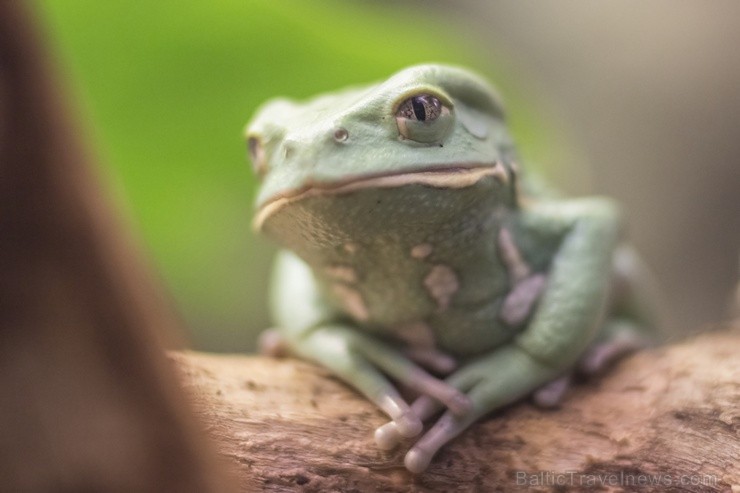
x,y
449,177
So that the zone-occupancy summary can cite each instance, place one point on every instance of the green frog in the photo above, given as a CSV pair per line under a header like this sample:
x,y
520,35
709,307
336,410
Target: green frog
x,y
418,259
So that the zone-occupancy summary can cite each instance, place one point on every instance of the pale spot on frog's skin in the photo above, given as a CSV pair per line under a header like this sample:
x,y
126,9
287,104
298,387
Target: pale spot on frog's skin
x,y
341,273
352,301
441,282
417,334
351,248
421,251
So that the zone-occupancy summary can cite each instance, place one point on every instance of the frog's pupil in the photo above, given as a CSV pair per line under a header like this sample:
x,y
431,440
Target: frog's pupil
x,y
420,112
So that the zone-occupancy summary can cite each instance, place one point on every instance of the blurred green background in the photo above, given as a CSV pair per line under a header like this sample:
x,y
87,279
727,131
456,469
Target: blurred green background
x,y
165,89
636,100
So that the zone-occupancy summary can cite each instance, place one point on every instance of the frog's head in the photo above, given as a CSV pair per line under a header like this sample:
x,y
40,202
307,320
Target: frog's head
x,y
436,126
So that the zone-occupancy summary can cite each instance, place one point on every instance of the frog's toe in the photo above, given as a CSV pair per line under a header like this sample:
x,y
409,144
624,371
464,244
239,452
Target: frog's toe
x,y
408,424
388,436
602,355
455,400
414,377
520,303
417,460
433,359
551,394
271,343
448,427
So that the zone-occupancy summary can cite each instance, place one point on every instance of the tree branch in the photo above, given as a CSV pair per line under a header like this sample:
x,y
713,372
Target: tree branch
x,y
672,411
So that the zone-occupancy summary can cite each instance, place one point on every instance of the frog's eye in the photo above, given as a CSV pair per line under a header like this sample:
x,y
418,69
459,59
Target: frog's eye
x,y
256,155
423,107
423,118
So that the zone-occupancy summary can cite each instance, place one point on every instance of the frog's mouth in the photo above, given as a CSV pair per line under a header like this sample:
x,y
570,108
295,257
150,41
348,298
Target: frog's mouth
x,y
448,177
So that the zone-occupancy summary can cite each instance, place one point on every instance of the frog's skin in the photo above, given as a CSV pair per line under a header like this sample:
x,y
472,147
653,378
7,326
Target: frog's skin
x,y
413,249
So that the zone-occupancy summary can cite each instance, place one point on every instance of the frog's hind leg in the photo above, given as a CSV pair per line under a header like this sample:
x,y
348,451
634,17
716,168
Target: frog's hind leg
x,y
632,322
389,436
618,338
630,326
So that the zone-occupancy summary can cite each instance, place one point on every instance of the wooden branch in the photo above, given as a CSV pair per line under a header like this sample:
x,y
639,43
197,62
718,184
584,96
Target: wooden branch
x,y
670,415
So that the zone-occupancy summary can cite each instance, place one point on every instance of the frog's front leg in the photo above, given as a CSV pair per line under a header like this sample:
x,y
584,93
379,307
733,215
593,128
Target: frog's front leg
x,y
564,323
311,329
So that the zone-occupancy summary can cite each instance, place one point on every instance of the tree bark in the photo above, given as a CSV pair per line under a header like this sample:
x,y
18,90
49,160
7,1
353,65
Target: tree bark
x,y
666,419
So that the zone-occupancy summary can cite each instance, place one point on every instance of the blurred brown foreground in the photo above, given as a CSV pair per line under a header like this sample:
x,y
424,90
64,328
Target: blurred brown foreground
x,y
87,401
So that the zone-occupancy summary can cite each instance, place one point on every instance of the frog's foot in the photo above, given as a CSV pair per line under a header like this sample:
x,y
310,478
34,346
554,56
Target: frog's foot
x,y
491,382
364,362
445,429
551,394
623,338
388,436
271,343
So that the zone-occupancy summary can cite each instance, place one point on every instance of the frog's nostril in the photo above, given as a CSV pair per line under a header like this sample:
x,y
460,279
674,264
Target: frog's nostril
x,y
288,150
341,134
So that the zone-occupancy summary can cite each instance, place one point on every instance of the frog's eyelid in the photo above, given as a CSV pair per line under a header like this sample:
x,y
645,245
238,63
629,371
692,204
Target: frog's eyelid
x,y
443,98
464,87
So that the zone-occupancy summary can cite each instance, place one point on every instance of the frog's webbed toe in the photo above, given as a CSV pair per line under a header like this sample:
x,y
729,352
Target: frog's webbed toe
x,y
551,394
620,338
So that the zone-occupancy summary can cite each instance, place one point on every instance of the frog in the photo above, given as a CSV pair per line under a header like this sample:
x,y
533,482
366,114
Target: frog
x,y
424,267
